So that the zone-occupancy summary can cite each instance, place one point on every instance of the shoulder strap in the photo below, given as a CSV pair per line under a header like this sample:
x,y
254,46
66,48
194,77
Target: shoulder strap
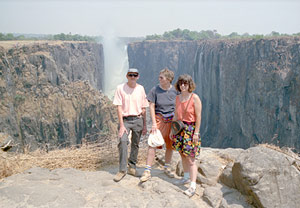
x,y
187,106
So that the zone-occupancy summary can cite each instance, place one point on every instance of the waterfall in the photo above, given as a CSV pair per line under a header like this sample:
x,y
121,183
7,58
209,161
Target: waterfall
x,y
115,64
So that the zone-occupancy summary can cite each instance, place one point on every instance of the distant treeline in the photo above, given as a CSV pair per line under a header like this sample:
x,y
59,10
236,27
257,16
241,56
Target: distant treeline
x,y
186,34
61,36
177,34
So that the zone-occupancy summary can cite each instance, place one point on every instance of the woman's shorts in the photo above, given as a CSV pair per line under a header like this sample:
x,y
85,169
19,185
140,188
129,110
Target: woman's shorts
x,y
183,142
165,128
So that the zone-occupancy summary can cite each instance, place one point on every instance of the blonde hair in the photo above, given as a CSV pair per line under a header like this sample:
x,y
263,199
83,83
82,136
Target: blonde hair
x,y
168,74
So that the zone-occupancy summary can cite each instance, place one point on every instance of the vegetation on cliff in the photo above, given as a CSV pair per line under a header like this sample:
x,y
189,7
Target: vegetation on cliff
x,y
61,36
186,34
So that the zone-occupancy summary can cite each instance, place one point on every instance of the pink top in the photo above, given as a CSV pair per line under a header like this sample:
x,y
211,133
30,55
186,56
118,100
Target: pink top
x,y
190,115
132,100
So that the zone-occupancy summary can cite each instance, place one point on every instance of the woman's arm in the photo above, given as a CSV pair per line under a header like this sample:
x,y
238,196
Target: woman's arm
x,y
198,110
174,119
152,114
175,112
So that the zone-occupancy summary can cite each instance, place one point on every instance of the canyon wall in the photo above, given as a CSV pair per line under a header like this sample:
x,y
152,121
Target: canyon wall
x,y
250,89
150,57
51,94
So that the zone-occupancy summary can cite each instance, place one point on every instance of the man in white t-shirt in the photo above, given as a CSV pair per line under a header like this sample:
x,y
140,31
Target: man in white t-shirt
x,y
131,102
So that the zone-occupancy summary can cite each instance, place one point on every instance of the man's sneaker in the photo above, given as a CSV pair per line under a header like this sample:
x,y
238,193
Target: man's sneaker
x,y
119,176
190,192
169,173
131,171
146,176
183,181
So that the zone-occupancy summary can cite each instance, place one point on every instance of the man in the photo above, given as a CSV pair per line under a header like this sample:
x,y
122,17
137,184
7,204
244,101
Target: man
x,y
131,102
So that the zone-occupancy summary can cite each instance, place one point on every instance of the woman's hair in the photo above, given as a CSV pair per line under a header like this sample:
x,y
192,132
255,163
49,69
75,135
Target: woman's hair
x,y
185,78
168,74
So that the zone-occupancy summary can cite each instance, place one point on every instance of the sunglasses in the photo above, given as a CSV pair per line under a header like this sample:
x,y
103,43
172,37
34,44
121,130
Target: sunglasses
x,y
133,75
183,83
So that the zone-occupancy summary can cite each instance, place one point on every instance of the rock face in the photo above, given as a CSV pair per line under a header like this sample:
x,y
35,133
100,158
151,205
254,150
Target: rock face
x,y
250,89
50,94
150,57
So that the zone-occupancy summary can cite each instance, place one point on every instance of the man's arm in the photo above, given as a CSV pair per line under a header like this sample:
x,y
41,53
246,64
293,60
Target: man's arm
x,y
144,121
122,128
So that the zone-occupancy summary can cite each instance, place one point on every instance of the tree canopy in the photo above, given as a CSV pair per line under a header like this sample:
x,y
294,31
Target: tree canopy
x,y
186,34
61,36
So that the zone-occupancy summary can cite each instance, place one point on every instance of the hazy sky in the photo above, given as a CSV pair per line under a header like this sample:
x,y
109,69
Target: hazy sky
x,y
146,17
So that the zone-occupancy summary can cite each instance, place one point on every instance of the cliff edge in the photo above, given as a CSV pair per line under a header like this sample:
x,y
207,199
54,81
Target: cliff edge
x,y
51,95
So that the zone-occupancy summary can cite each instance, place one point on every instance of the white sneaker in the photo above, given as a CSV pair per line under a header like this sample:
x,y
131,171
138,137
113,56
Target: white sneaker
x,y
146,176
190,192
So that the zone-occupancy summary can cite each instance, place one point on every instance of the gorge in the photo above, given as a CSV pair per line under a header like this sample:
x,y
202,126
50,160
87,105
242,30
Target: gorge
x,y
250,88
51,97
52,92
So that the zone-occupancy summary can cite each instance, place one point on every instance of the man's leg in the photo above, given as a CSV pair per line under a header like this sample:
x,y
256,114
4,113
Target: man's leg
x,y
123,153
135,140
123,150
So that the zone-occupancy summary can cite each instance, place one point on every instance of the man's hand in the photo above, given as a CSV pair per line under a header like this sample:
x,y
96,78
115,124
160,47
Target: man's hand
x,y
122,130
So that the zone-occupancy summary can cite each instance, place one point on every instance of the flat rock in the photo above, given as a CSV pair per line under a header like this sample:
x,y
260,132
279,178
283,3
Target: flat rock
x,y
40,187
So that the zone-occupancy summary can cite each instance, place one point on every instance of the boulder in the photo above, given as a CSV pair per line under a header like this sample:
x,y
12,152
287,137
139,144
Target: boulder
x,y
269,177
210,167
5,142
220,196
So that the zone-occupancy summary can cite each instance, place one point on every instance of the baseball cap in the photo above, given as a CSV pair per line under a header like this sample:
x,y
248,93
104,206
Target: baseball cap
x,y
133,70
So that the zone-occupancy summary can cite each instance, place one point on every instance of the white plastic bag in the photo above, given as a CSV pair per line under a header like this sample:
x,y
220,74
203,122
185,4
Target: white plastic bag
x,y
156,139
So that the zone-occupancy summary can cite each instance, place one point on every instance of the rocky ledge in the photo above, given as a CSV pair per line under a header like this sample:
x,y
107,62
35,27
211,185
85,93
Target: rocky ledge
x,y
261,176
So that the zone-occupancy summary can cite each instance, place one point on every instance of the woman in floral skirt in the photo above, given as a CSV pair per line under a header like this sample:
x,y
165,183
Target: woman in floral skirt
x,y
188,141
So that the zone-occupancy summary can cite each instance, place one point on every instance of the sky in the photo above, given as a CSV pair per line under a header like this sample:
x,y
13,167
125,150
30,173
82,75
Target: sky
x,y
138,18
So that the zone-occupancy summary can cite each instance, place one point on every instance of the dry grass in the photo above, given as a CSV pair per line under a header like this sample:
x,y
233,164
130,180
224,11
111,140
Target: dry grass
x,y
285,150
89,157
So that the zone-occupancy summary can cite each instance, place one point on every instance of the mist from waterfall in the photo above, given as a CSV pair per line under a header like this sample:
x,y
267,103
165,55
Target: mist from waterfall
x,y
115,64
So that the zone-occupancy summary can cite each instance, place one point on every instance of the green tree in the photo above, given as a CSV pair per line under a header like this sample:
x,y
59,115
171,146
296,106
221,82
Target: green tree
x,y
273,33
9,36
233,35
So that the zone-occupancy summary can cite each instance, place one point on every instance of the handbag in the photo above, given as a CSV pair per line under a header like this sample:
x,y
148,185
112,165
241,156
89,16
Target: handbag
x,y
156,139
178,126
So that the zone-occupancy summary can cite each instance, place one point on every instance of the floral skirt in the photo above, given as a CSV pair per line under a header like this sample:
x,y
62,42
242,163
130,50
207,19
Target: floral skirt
x,y
183,142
